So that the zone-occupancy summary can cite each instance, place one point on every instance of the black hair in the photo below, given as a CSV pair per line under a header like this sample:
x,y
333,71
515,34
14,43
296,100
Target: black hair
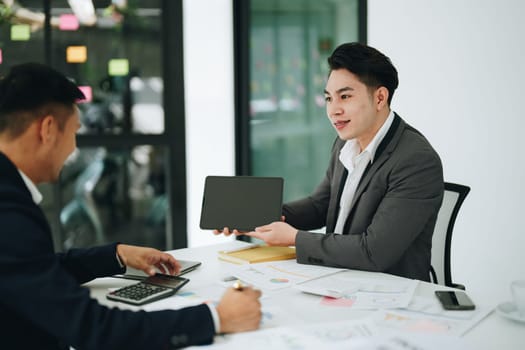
x,y
29,87
373,68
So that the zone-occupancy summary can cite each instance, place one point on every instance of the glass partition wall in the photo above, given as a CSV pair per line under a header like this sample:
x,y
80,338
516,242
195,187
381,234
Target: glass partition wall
x,y
126,56
282,126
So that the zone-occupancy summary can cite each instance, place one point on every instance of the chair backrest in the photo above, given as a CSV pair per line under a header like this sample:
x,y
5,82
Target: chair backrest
x,y
441,240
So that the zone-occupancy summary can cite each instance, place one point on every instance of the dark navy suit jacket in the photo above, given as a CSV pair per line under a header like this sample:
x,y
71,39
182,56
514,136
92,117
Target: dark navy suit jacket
x,y
42,302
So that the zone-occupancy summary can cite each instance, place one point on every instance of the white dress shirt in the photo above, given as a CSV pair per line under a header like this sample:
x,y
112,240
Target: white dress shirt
x,y
37,198
35,193
356,164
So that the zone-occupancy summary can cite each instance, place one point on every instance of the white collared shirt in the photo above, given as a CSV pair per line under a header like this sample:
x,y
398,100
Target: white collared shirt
x,y
356,164
35,193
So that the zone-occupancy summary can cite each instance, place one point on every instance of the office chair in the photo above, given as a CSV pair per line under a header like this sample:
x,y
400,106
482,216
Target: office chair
x,y
442,238
80,218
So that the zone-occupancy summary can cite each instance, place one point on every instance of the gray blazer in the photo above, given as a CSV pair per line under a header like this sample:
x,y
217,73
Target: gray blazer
x,y
392,215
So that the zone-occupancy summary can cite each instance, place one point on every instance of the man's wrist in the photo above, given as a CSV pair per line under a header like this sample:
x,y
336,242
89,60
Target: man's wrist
x,y
119,258
294,240
215,317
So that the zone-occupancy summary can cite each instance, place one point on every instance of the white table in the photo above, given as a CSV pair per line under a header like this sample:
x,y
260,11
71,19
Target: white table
x,y
493,332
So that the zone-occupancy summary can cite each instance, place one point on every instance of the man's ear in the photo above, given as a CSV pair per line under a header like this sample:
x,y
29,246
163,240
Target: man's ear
x,y
48,129
381,98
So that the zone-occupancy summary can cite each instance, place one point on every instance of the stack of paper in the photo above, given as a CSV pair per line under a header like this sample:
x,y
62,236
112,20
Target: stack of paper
x,y
276,275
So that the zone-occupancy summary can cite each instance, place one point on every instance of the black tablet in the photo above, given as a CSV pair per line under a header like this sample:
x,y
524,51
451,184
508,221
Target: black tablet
x,y
241,202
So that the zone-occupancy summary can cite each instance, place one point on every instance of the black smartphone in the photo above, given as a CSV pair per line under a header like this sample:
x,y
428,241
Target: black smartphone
x,y
455,300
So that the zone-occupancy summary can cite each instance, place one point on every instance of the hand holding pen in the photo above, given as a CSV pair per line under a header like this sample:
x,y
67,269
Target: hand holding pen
x,y
239,309
238,286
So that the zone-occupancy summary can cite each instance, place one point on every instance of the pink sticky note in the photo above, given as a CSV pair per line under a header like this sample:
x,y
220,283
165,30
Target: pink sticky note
x,y
88,93
68,22
1,59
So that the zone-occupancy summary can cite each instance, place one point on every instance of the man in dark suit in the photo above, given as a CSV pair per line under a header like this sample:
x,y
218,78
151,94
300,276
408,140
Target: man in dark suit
x,y
384,185
42,302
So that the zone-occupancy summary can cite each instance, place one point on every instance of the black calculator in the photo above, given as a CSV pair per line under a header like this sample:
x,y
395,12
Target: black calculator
x,y
152,288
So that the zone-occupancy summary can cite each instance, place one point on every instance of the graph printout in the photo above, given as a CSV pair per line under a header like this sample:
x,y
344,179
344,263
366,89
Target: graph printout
x,y
280,274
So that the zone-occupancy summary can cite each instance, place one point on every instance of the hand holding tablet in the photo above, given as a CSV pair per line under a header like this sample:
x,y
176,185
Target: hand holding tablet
x,y
241,202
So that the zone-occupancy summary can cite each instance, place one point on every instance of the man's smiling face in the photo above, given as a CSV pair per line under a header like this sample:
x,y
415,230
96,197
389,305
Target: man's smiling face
x,y
351,107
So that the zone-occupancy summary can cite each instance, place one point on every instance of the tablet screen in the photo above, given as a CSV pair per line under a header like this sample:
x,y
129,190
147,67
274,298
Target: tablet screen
x,y
241,202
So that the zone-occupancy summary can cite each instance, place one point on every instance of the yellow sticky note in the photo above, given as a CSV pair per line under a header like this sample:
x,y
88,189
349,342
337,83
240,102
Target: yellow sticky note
x,y
76,54
118,66
20,32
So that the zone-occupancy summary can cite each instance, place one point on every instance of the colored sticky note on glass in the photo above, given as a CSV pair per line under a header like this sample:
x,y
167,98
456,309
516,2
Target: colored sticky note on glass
x,y
68,22
88,93
76,54
1,56
20,32
118,66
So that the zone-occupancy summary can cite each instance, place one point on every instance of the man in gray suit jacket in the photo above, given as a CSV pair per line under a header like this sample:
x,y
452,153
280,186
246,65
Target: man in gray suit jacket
x,y
384,185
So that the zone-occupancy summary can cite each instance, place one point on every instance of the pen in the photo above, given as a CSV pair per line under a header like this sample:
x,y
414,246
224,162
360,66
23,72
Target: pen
x,y
238,285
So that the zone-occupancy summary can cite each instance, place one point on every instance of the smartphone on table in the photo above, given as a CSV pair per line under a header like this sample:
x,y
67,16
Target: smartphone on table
x,y
454,300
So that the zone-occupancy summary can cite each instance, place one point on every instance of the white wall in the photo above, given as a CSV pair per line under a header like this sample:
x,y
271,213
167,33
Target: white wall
x,y
462,69
461,66
208,83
